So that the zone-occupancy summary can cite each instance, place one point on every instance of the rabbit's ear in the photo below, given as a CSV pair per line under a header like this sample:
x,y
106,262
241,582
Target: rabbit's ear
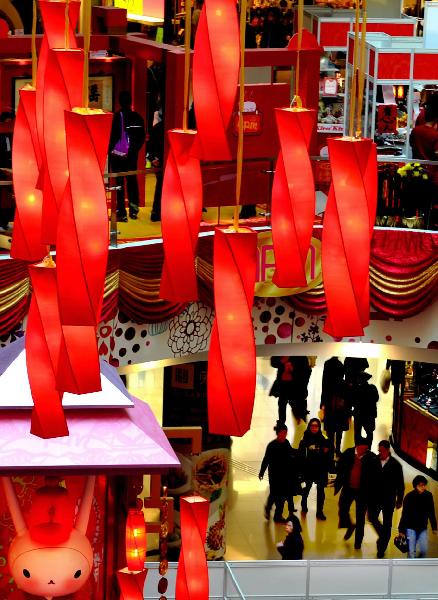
x,y
85,507
14,507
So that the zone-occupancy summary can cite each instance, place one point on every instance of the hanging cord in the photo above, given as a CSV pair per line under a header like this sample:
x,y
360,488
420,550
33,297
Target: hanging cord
x,y
67,25
297,99
243,5
353,91
187,53
34,53
87,33
361,70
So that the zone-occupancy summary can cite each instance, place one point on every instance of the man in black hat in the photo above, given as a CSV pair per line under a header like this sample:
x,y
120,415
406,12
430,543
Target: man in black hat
x,y
364,398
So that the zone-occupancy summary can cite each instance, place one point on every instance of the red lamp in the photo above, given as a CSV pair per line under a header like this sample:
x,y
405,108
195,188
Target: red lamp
x,y
43,340
231,360
215,76
346,239
131,584
135,540
192,575
293,197
180,218
26,163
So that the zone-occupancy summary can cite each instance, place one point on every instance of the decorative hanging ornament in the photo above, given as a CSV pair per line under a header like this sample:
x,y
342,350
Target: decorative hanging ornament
x,y
293,197
180,218
26,164
131,584
346,239
192,575
62,91
135,541
231,360
215,77
82,247
42,342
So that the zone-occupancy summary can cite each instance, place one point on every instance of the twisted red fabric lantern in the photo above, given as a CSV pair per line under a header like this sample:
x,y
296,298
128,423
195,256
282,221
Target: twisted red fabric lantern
x,y
135,540
131,584
293,197
346,239
62,91
180,218
215,76
192,575
26,163
82,248
231,359
43,339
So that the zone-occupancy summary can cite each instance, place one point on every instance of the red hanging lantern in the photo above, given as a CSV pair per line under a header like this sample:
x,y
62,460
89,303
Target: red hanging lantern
x,y
232,360
82,247
62,91
26,163
215,76
180,218
293,197
131,584
43,339
135,540
192,575
346,239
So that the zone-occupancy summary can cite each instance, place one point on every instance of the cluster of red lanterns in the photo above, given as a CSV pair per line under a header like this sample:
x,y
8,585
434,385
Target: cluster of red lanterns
x,y
61,202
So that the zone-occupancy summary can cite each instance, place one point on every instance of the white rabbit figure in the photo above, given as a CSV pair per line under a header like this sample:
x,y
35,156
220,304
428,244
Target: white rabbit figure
x,y
51,568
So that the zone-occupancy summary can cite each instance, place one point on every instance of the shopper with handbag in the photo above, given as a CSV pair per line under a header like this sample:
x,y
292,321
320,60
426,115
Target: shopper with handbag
x,y
418,510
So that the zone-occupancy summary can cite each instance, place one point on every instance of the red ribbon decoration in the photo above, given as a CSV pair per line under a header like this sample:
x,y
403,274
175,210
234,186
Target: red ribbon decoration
x,y
293,197
192,576
62,91
346,239
232,360
43,340
82,248
215,77
180,218
26,163
131,584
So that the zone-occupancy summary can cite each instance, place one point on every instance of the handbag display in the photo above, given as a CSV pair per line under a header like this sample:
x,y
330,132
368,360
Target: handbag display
x,y
122,146
401,543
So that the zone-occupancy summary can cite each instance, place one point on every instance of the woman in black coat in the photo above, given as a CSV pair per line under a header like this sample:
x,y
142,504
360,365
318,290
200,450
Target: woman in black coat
x,y
335,402
315,454
281,462
291,548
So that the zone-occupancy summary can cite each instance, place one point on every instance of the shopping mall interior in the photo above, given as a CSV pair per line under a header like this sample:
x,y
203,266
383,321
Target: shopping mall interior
x,y
202,211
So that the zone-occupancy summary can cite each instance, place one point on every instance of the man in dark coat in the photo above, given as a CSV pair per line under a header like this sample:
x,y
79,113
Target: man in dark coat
x,y
389,492
365,397
290,385
133,124
280,460
418,510
356,477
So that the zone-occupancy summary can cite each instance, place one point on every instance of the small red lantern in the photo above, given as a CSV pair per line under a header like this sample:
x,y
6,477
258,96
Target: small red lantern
x,y
192,575
293,197
180,218
232,359
135,540
215,76
131,584
346,239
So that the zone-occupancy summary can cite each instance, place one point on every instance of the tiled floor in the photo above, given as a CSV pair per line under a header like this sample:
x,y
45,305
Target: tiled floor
x,y
249,535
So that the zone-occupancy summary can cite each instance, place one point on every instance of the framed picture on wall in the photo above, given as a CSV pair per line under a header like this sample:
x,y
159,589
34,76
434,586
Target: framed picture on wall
x,y
100,91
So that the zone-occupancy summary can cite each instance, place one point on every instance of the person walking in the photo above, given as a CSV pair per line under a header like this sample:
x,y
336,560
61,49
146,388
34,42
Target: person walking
x,y
389,492
280,460
290,385
126,140
334,402
364,397
291,548
356,478
314,450
418,510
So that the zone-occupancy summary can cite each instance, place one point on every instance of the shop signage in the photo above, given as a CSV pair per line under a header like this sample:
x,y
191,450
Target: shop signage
x,y
252,123
266,267
330,128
